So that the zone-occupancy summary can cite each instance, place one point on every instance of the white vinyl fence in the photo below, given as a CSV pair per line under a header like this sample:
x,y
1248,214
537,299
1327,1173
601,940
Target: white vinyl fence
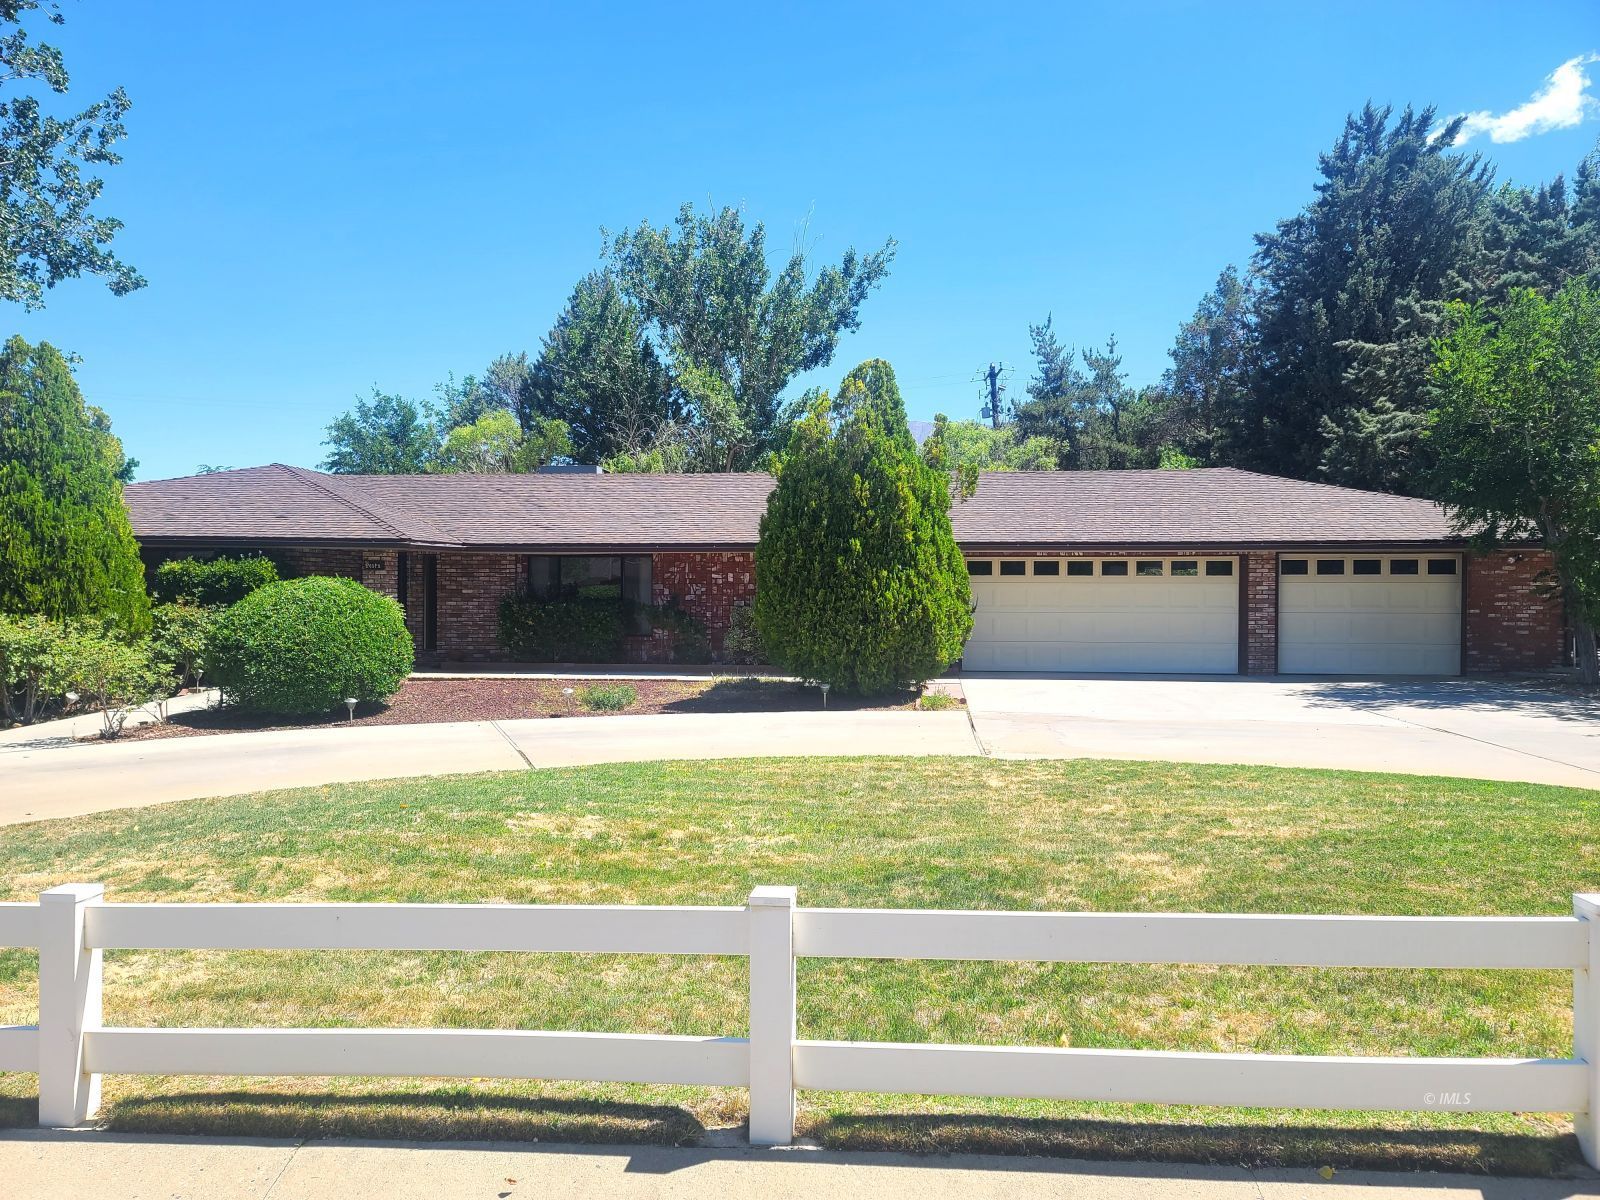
x,y
70,1048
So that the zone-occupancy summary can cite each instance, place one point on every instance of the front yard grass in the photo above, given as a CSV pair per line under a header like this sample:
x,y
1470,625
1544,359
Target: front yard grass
x,y
1079,835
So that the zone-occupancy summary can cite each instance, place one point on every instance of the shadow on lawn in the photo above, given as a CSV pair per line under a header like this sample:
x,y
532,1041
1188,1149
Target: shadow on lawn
x,y
1468,1150
434,1116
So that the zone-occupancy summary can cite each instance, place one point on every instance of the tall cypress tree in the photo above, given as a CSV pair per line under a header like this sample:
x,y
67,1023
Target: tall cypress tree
x,y
859,582
66,547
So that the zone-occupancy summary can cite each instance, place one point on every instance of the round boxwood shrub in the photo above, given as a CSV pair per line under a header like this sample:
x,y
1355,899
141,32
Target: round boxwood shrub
x,y
304,645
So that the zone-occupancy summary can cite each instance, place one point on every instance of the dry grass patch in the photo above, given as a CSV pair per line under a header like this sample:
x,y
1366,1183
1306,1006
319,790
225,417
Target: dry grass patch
x,y
873,832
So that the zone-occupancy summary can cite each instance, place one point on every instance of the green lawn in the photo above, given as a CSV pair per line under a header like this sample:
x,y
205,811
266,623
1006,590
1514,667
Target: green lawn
x,y
957,833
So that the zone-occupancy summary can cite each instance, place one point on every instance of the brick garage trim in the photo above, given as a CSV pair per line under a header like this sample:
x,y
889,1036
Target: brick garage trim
x,y
1258,614
1510,622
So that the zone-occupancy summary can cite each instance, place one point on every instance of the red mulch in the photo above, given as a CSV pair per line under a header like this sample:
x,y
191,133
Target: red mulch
x,y
424,701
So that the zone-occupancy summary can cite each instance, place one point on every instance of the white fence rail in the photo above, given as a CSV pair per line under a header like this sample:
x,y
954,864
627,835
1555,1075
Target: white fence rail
x,y
71,1049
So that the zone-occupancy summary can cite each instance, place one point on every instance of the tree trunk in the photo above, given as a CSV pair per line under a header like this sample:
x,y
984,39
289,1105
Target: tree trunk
x,y
1583,638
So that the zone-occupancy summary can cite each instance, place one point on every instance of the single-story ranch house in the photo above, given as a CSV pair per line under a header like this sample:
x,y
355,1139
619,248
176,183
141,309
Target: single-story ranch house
x,y
1215,570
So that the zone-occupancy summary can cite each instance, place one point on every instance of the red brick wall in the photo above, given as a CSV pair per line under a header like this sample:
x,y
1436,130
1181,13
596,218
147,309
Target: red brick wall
x,y
1511,624
706,586
299,561
470,589
1260,600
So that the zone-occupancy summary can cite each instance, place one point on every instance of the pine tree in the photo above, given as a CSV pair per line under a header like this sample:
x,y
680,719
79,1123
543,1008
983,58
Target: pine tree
x,y
599,374
66,547
860,583
1354,289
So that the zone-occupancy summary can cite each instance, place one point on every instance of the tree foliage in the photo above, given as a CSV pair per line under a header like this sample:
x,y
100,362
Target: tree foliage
x,y
862,585
1088,413
676,355
1515,437
959,445
598,373
66,547
48,231
385,435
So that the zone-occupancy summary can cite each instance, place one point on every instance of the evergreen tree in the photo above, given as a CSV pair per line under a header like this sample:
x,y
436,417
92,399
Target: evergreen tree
x,y
1095,420
861,584
66,547
597,373
1208,383
1353,290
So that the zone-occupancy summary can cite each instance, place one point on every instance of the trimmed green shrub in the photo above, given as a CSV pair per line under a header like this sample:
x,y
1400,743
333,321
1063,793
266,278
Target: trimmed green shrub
x,y
687,637
303,645
568,630
211,581
608,697
742,642
178,643
861,584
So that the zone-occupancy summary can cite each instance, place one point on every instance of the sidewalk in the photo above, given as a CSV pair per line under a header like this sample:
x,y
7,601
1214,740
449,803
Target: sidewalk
x,y
66,730
49,1166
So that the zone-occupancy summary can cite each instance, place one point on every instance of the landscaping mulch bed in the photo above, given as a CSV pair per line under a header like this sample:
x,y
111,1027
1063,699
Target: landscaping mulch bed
x,y
425,701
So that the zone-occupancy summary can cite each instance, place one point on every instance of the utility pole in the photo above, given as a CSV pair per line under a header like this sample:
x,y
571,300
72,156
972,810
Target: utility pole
x,y
993,377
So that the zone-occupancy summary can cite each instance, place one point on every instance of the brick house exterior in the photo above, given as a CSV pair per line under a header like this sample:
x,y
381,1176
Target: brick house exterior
x,y
450,548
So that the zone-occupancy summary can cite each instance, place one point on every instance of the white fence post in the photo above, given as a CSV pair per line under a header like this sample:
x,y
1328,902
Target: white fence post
x,y
1586,1027
69,1003
772,1022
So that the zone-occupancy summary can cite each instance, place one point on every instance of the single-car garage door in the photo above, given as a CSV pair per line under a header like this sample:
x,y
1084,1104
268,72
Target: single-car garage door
x,y
1177,615
1369,614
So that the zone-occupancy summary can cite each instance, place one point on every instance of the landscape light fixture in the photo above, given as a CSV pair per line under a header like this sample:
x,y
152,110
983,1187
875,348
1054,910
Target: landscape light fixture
x,y
350,703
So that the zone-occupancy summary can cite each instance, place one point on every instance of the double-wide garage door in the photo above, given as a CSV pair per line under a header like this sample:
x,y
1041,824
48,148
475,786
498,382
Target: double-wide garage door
x,y
1178,615
1394,614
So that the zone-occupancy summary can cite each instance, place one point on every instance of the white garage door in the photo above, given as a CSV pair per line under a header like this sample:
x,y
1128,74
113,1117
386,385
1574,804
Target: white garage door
x,y
1369,615
1176,615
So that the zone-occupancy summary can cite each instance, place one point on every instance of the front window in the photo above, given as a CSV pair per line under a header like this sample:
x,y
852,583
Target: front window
x,y
619,577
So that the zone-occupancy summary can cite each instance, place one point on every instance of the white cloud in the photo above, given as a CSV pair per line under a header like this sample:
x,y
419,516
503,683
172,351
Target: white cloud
x,y
1562,102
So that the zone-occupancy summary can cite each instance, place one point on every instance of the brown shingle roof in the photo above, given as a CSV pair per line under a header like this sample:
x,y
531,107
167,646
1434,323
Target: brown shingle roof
x,y
1218,507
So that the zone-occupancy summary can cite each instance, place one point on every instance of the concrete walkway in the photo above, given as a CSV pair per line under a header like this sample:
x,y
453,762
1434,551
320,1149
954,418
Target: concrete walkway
x,y
45,783
67,730
108,1166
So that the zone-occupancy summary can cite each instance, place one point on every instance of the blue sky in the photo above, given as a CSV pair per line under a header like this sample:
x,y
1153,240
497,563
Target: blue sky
x,y
383,194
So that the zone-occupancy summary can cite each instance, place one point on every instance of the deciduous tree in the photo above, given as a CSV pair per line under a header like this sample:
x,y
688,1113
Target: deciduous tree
x,y
733,333
1515,436
48,231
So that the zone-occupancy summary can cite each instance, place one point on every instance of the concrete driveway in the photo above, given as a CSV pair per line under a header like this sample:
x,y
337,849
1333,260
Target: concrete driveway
x,y
1462,727
48,779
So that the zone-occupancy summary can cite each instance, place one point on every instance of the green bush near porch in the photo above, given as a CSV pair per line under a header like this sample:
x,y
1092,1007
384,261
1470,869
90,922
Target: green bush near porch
x,y
304,645
211,581
569,630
